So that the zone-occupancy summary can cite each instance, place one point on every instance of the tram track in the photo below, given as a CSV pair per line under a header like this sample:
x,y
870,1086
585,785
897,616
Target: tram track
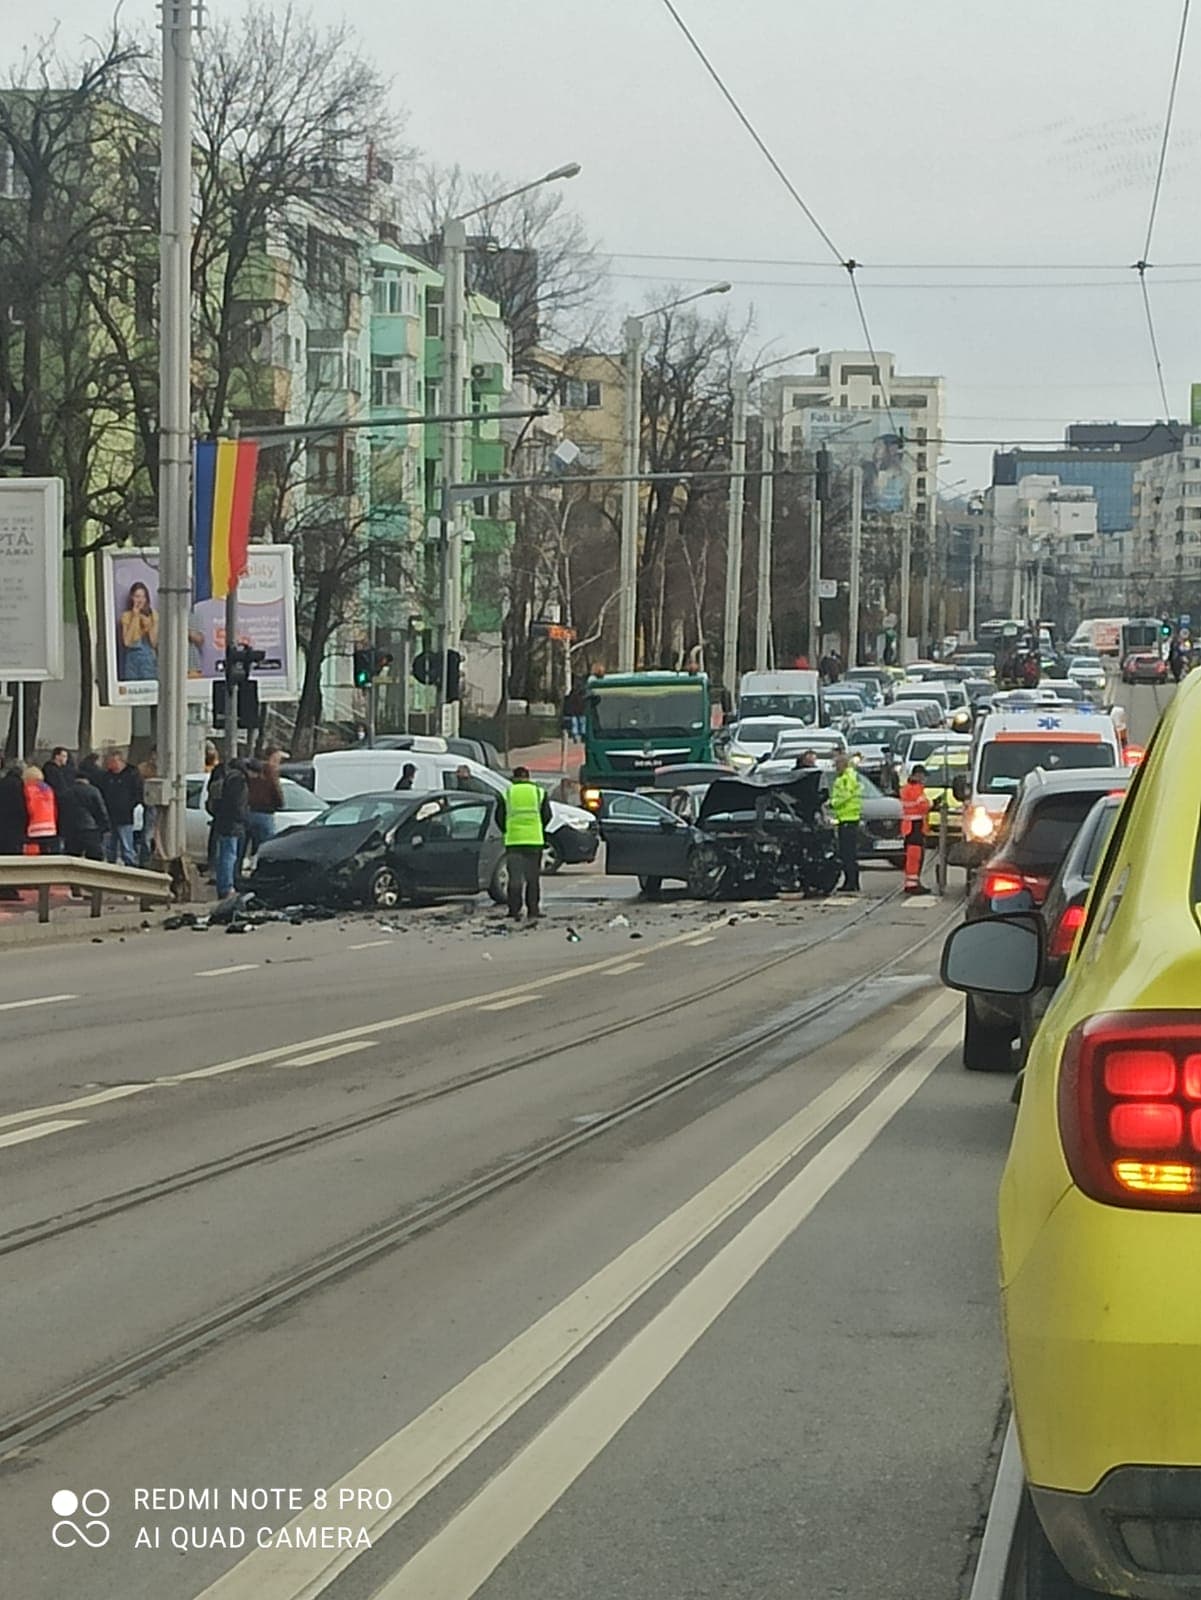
x,y
117,1378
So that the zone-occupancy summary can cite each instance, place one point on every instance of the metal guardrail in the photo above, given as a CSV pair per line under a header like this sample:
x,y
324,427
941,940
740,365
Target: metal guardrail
x,y
97,878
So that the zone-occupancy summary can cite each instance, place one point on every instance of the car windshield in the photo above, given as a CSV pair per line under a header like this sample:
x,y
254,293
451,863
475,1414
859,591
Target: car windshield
x,y
1064,689
941,774
765,730
1004,762
1085,664
801,707
871,733
655,708
367,808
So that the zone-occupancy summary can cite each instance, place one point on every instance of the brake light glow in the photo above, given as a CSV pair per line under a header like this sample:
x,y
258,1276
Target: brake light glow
x,y
590,799
981,824
1064,937
998,883
1130,1108
1133,754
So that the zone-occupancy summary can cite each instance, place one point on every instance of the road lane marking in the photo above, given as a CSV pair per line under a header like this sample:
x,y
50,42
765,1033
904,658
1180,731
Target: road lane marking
x,y
370,944
1004,1508
514,1000
626,966
42,1000
422,1454
124,1091
224,972
39,1131
705,938
467,1550
315,1056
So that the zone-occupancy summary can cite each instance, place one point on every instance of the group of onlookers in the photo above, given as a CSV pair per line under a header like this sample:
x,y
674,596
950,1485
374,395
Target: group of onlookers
x,y
242,800
88,809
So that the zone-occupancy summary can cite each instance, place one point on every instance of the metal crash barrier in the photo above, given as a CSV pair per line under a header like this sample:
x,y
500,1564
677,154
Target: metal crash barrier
x,y
96,878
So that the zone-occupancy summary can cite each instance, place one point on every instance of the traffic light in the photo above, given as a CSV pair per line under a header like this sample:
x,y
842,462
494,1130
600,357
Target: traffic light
x,y
240,662
427,669
1165,629
370,664
822,488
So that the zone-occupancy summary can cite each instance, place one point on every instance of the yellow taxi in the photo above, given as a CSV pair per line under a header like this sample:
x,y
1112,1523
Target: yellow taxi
x,y
1100,1207
940,775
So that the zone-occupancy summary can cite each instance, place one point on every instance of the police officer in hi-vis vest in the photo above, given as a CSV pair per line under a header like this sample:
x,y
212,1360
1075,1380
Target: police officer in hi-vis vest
x,y
524,814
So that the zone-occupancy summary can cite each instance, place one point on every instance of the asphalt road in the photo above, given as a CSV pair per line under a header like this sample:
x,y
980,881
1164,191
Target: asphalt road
x,y
646,1253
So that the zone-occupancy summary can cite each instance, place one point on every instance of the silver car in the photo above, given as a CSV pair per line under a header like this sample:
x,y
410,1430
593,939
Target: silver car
x,y
301,806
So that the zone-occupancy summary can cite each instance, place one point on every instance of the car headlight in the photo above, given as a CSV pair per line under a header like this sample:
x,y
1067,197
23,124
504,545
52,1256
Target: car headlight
x,y
981,824
741,758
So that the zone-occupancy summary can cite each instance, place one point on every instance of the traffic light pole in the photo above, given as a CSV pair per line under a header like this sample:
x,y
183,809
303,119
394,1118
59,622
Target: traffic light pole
x,y
231,681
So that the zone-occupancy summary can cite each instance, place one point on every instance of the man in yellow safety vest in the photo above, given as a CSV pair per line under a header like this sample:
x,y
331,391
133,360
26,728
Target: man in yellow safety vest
x,y
524,814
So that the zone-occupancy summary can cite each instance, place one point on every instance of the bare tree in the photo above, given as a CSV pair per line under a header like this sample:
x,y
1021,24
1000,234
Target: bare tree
x,y
532,255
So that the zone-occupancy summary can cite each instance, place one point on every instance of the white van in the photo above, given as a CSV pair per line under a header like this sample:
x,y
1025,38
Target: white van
x,y
573,836
779,694
1009,744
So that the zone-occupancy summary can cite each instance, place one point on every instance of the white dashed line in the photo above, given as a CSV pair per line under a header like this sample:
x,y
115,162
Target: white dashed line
x,y
507,1005
705,938
626,966
42,1000
39,1130
315,1056
370,944
224,972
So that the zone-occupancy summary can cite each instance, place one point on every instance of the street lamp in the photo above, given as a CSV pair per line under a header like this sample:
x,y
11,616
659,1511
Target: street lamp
x,y
631,451
454,320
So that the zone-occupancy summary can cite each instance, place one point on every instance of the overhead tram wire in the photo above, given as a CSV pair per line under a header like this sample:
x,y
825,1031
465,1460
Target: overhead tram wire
x,y
847,263
1144,262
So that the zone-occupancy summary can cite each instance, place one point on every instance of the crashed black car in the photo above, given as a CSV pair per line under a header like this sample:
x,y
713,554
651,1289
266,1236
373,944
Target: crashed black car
x,y
753,836
380,849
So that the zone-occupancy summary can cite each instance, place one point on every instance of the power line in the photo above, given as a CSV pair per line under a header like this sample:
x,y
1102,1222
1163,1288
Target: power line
x,y
898,266
1163,390
753,131
831,283
1167,127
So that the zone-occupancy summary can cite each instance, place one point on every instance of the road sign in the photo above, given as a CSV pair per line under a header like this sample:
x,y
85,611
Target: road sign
x,y
827,588
1186,619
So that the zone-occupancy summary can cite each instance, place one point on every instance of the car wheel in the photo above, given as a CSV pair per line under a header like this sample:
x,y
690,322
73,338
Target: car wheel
x,y
1040,1573
498,887
651,886
706,873
383,889
985,1045
551,860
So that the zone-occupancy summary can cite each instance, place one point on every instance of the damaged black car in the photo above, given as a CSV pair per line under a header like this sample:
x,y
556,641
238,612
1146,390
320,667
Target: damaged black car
x,y
381,849
749,837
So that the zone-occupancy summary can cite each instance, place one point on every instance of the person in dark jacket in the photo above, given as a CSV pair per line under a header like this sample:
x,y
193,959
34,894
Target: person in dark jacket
x,y
121,787
14,818
59,772
92,768
84,820
229,827
266,799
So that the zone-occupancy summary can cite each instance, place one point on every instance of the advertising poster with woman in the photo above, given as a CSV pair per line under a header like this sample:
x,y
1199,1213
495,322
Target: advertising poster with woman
x,y
266,622
873,441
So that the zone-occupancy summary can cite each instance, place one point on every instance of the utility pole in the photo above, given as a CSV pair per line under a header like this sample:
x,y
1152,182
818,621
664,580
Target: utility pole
x,y
767,509
175,423
232,697
815,567
903,609
737,502
454,335
631,454
856,565
973,562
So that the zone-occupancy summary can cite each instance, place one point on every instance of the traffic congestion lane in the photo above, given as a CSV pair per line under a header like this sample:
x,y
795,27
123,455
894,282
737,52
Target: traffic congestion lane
x,y
306,1397
180,1239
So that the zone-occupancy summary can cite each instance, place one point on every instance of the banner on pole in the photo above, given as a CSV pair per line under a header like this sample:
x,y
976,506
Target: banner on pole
x,y
31,579
223,475
130,623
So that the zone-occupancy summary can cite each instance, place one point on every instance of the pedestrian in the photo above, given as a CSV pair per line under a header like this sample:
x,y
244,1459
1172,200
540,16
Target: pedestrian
x,y
59,771
230,813
84,820
575,706
148,840
407,774
806,760
846,802
92,767
14,819
1176,660
265,798
41,810
915,807
121,786
524,815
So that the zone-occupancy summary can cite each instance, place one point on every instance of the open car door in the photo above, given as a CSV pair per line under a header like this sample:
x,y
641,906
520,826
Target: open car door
x,y
643,839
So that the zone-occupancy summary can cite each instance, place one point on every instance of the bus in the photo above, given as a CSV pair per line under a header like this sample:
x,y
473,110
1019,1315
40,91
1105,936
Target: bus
x,y
637,721
1140,635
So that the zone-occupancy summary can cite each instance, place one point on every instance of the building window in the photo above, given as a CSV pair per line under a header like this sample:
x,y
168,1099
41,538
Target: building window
x,y
354,374
875,402
433,317
326,369
393,381
433,399
581,395
14,185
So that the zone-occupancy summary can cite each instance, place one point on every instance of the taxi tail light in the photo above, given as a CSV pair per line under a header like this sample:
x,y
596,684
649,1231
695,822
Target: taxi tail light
x,y
1130,1108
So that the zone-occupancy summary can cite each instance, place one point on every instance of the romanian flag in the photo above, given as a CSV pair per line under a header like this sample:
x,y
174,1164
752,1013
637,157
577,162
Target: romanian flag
x,y
223,473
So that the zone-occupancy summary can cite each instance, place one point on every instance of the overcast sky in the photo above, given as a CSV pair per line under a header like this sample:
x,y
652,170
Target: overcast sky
x,y
958,137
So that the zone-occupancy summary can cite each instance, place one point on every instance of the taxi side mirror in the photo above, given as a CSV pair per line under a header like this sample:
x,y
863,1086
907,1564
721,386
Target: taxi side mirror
x,y
959,786
996,955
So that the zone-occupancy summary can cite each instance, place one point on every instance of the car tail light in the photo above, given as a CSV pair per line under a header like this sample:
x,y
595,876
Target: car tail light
x,y
1130,1108
590,799
1063,936
1133,754
997,883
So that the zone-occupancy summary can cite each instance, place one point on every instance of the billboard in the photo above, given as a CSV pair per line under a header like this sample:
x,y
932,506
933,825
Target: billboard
x,y
871,440
31,579
266,621
1194,405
